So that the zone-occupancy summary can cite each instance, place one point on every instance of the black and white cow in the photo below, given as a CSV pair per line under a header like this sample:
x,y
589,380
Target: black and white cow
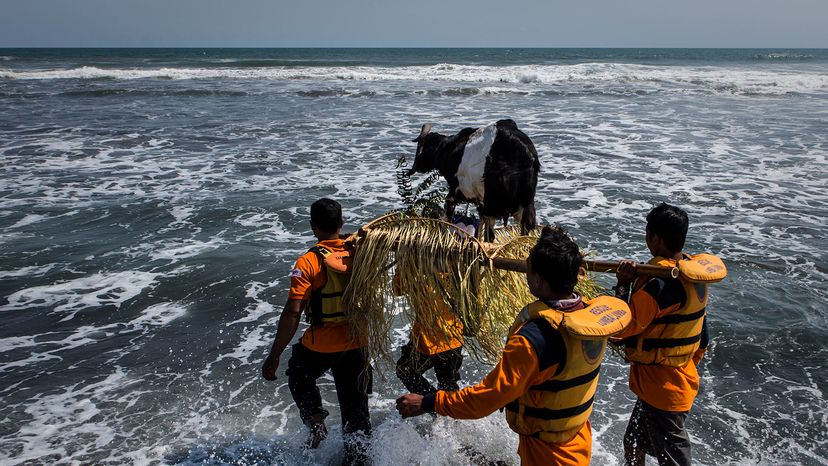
x,y
494,166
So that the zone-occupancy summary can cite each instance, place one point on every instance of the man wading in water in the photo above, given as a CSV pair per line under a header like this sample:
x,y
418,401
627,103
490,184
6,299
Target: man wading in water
x,y
548,374
666,340
316,285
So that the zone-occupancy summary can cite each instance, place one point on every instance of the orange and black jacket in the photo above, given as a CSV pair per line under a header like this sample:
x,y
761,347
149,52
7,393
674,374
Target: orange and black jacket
x,y
678,329
665,341
533,380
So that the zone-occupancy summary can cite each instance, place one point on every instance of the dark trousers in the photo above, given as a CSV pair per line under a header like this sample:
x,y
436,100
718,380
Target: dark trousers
x,y
658,433
353,379
412,364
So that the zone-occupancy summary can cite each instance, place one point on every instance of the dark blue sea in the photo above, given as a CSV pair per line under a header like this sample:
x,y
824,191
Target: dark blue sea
x,y
152,202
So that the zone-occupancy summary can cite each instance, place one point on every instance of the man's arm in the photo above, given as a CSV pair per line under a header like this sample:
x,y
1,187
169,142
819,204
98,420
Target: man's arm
x,y
509,379
643,305
624,275
288,323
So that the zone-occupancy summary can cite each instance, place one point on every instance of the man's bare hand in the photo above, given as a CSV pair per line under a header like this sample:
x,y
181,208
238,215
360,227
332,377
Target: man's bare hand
x,y
410,405
626,272
269,367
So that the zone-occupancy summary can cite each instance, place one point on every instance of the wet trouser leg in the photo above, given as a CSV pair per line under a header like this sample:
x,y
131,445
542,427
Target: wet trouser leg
x,y
353,378
447,368
658,433
410,368
304,367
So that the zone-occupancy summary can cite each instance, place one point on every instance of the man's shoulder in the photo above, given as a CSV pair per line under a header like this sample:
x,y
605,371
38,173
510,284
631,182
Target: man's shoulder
x,y
333,245
666,292
307,264
545,339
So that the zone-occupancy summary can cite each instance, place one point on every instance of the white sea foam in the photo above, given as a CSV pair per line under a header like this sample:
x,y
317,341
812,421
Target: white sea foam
x,y
177,250
73,296
181,214
266,226
55,419
31,271
158,315
28,220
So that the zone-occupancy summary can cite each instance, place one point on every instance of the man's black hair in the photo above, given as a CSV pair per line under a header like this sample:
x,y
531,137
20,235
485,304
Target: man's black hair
x,y
326,215
670,224
557,259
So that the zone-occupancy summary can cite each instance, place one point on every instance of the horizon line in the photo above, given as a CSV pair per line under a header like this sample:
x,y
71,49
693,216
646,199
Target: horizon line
x,y
415,47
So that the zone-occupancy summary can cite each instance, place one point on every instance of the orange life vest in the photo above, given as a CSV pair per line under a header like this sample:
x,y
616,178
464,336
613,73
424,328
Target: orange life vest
x,y
557,408
672,339
326,305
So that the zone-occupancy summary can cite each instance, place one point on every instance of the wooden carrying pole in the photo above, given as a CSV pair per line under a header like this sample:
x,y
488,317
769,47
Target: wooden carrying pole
x,y
517,265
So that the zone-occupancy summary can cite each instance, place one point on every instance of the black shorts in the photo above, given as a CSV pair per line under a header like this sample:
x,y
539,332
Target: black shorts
x,y
657,433
412,364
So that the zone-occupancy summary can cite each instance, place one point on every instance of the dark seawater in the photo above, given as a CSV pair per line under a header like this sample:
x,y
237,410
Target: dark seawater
x,y
153,201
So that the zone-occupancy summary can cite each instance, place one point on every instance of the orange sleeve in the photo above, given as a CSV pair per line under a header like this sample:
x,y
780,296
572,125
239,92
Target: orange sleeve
x,y
644,309
305,276
510,378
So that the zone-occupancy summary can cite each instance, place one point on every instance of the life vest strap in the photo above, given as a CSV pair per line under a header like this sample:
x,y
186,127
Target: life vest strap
x,y
650,344
560,385
679,318
550,414
321,251
331,295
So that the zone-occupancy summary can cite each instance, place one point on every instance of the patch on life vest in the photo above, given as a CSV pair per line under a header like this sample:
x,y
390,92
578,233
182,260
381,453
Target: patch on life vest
x,y
593,350
295,273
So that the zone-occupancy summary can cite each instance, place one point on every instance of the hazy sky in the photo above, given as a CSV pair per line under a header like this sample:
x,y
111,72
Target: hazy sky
x,y
424,23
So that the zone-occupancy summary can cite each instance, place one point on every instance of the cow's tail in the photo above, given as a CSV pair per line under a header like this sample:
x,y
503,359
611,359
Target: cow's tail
x,y
528,222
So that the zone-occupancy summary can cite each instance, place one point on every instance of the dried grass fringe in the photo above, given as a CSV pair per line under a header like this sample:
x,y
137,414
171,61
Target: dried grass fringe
x,y
439,267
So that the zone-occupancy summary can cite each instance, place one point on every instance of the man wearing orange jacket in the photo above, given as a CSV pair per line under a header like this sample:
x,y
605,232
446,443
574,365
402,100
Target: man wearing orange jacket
x,y
548,373
666,340
441,350
316,286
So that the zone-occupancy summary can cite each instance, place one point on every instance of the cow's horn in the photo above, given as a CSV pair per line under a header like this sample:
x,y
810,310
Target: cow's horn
x,y
423,131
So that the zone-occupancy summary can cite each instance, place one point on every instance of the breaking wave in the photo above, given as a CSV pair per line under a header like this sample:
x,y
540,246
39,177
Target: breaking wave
x,y
529,78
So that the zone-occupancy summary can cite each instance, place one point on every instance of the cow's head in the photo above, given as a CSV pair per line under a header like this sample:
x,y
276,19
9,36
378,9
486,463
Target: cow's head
x,y
427,143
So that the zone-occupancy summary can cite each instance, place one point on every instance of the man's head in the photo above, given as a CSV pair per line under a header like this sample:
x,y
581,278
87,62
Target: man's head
x,y
666,230
326,216
554,264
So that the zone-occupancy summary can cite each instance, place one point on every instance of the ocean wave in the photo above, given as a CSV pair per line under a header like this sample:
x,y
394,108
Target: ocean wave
x,y
108,92
710,79
783,56
341,92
